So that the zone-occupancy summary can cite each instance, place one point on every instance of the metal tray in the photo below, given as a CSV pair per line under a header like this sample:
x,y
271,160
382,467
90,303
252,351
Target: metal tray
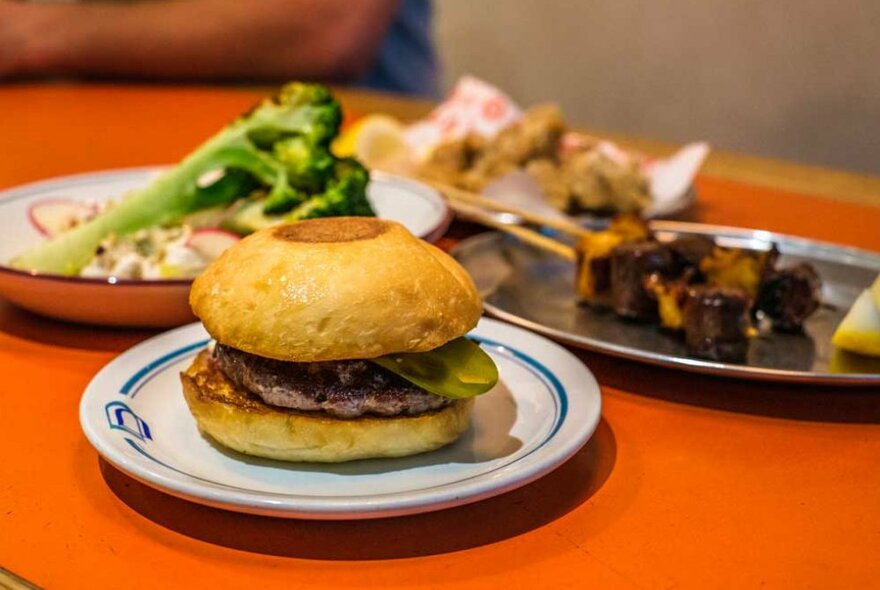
x,y
534,289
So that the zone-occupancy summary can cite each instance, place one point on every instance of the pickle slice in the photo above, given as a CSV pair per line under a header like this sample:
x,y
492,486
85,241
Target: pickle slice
x,y
459,369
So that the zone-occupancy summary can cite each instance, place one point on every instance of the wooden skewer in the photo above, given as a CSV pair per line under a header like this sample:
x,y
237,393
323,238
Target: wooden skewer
x,y
526,235
458,194
11,581
473,205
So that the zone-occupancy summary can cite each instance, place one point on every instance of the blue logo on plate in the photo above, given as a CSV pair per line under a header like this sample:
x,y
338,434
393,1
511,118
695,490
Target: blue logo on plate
x,y
121,417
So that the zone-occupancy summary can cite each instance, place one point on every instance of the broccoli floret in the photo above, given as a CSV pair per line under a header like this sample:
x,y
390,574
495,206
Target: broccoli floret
x,y
346,194
267,147
299,93
309,167
283,202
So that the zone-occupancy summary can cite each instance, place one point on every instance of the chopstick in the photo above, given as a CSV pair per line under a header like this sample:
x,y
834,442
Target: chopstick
x,y
453,193
526,235
11,581
473,206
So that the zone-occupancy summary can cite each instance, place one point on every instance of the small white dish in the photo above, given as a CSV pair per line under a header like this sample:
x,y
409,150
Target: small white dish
x,y
153,303
545,407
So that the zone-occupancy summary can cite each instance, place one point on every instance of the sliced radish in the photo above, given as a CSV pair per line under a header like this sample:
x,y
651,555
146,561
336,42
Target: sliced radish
x,y
210,242
53,216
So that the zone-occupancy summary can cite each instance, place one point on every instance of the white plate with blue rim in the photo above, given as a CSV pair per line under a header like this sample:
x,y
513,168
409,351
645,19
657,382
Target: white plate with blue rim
x,y
543,410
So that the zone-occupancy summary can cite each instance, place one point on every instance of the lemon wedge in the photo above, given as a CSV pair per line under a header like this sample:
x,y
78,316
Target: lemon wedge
x,y
875,292
860,330
843,361
372,139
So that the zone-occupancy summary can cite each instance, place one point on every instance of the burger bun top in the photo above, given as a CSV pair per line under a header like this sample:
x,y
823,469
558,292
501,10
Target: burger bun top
x,y
335,289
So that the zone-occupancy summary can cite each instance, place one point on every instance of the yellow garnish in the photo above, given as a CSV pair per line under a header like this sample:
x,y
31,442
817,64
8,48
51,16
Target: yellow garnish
x,y
372,139
860,330
733,267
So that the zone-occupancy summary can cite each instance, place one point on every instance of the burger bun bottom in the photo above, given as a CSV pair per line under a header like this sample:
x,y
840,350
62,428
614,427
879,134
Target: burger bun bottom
x,y
242,422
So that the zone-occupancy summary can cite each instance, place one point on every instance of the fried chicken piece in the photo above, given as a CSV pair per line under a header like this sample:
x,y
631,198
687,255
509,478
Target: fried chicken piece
x,y
588,192
574,178
535,136
450,160
600,183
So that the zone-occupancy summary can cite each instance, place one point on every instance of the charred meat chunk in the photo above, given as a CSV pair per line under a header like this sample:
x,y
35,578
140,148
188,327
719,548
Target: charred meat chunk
x,y
594,266
716,323
789,296
593,281
632,265
689,251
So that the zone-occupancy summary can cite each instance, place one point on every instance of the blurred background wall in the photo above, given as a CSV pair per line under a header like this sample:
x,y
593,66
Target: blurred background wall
x,y
794,79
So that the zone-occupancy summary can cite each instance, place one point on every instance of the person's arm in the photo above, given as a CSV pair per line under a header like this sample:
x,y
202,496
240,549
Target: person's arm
x,y
194,39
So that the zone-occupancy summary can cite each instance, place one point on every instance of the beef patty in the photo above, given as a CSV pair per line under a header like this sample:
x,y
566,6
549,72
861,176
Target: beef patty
x,y
344,389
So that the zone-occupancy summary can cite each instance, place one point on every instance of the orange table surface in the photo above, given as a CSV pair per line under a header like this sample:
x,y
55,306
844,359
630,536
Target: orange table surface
x,y
689,482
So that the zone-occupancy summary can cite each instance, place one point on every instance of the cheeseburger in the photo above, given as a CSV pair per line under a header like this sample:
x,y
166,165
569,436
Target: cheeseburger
x,y
336,339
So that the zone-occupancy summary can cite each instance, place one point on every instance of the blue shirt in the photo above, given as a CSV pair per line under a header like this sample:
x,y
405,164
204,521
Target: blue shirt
x,y
407,62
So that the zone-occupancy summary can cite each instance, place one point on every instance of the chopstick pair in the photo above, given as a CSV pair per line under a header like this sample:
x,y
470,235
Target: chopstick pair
x,y
473,206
